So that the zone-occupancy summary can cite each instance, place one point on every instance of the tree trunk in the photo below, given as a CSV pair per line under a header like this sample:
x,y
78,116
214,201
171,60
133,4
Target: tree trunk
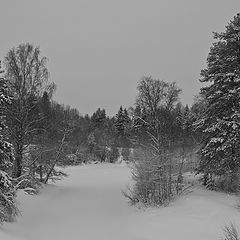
x,y
17,165
17,169
41,173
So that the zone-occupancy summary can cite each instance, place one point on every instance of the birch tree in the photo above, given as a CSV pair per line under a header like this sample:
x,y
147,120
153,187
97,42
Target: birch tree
x,y
28,78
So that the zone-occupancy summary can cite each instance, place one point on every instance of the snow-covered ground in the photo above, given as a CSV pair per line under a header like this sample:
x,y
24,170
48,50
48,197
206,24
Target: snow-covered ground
x,y
88,205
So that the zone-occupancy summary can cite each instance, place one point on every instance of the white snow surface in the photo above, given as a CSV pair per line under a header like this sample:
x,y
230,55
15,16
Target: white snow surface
x,y
89,205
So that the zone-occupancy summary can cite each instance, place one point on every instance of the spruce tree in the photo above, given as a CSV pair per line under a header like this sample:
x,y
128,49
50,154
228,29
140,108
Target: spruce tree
x,y
122,128
98,118
46,109
127,123
119,122
221,120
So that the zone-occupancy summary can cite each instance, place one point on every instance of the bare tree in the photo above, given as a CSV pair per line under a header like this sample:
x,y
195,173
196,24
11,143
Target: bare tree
x,y
154,94
155,176
28,76
172,95
157,98
56,157
151,94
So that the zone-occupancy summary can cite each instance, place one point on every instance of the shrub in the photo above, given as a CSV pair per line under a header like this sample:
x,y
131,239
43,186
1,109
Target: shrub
x,y
114,154
126,154
154,180
101,153
8,207
228,182
231,232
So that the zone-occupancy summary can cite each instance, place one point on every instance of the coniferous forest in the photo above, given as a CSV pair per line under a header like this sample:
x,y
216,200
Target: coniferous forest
x,y
158,137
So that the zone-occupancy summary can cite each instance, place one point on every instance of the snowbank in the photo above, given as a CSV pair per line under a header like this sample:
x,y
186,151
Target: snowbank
x,y
88,205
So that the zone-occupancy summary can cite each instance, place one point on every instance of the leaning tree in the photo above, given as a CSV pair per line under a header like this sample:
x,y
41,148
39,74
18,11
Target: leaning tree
x,y
221,120
28,79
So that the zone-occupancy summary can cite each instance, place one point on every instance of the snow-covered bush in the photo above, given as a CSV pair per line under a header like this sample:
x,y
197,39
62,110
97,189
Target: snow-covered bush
x,y
126,153
228,182
42,162
100,153
72,159
155,181
8,208
231,233
113,154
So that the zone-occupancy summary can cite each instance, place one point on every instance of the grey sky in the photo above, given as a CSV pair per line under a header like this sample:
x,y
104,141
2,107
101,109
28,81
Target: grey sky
x,y
98,50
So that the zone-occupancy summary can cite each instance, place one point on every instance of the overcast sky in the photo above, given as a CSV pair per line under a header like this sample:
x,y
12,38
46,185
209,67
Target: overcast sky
x,y
99,49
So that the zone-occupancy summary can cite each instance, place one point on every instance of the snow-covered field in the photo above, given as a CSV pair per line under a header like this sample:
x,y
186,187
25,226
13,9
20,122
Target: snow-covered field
x,y
88,205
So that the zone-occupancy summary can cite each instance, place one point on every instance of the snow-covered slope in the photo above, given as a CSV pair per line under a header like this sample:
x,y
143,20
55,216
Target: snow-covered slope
x,y
88,205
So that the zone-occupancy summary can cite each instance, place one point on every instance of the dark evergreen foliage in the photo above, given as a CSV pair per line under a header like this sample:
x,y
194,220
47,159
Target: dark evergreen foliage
x,y
123,127
220,121
8,208
6,154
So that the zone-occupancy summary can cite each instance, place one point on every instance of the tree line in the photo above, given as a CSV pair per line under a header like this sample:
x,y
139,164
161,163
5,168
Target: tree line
x,y
43,133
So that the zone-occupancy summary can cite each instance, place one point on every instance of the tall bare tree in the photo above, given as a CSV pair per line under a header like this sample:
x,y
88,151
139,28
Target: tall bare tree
x,y
154,173
172,95
157,98
28,77
151,94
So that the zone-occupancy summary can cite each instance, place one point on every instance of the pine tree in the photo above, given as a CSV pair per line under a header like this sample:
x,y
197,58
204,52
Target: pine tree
x,y
98,118
122,128
184,128
5,147
119,122
91,142
127,123
8,207
186,120
221,119
46,109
